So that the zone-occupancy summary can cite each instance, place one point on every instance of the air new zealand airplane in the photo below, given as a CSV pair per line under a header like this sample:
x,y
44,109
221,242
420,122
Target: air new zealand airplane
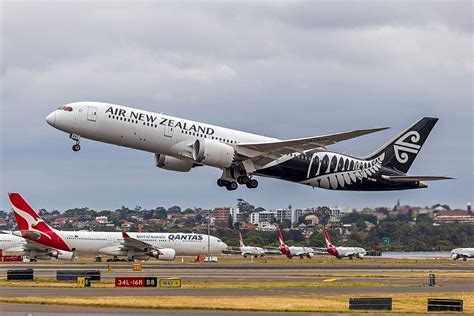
x,y
180,145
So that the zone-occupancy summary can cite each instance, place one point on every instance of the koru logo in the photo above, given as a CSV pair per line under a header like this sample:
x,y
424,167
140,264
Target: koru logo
x,y
406,144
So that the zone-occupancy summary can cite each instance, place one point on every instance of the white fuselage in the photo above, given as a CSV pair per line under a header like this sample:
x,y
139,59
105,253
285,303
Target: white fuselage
x,y
142,130
298,251
12,244
252,251
462,253
110,243
351,251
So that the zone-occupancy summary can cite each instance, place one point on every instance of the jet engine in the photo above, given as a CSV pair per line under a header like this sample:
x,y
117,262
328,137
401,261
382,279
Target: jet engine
x,y
213,153
62,255
166,254
360,256
310,255
455,256
171,163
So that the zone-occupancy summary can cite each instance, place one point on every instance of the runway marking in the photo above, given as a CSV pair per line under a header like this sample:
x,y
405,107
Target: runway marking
x,y
329,280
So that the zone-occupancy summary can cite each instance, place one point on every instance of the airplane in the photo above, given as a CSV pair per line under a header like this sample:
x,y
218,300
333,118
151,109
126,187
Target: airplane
x,y
180,145
10,243
136,246
250,251
340,252
292,251
463,253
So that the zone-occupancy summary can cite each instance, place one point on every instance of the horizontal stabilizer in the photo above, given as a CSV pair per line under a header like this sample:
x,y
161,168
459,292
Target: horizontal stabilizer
x,y
402,179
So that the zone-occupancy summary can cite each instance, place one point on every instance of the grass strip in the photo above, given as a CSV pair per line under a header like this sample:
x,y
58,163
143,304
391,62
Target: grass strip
x,y
402,303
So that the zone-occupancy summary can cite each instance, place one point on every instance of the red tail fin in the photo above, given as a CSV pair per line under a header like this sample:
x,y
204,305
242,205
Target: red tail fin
x,y
32,225
280,238
327,239
241,240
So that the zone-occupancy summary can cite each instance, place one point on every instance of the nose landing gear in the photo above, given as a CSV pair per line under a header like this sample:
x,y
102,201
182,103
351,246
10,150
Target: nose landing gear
x,y
77,138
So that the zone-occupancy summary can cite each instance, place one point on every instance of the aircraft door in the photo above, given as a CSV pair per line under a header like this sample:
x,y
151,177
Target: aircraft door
x,y
169,131
92,113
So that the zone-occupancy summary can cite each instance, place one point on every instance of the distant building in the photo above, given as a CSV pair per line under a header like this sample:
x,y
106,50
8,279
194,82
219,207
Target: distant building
x,y
311,220
265,216
469,209
236,216
222,217
295,216
282,214
101,219
266,226
454,216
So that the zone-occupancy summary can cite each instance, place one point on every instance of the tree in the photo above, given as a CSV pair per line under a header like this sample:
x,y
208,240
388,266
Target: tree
x,y
323,213
174,209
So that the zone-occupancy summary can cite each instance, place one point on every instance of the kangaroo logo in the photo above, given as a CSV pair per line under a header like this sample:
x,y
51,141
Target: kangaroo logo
x,y
31,221
406,144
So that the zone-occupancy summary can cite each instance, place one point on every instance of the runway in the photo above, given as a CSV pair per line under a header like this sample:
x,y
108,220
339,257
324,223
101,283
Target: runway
x,y
249,279
44,291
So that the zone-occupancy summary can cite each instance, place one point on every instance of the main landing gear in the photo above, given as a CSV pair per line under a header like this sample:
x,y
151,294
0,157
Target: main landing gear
x,y
77,138
233,185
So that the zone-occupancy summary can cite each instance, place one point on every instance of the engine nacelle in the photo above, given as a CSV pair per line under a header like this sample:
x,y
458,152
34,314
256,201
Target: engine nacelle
x,y
171,163
360,255
166,254
213,153
455,256
310,255
62,255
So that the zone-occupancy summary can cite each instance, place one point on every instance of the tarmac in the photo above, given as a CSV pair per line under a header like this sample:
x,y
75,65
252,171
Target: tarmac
x,y
411,280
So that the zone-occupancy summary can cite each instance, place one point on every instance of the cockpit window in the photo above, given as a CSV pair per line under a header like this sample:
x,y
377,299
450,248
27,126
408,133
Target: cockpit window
x,y
65,108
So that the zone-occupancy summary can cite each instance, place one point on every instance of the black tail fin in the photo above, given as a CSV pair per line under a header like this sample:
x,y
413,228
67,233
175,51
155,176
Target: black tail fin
x,y
400,152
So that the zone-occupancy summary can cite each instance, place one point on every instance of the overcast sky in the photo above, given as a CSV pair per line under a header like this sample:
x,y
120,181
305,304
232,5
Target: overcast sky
x,y
290,69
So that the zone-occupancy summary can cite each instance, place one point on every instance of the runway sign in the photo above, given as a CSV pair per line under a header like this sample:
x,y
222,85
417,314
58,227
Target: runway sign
x,y
436,305
370,303
170,283
136,282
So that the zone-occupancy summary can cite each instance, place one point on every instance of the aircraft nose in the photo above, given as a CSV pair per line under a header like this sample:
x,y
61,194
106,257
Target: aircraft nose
x,y
51,118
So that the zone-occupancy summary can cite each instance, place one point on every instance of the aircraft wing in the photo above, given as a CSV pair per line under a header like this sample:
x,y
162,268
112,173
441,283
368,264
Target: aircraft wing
x,y
130,242
402,179
276,149
31,245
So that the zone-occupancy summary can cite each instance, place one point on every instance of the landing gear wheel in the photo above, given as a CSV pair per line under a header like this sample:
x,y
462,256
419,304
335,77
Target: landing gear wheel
x,y
231,186
252,184
221,182
76,147
243,180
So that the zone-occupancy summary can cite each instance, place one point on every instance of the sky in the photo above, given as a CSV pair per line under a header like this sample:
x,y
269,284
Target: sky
x,y
287,69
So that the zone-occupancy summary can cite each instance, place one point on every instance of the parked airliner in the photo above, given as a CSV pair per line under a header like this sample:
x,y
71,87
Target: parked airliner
x,y
13,244
292,251
180,145
249,250
340,252
162,246
463,253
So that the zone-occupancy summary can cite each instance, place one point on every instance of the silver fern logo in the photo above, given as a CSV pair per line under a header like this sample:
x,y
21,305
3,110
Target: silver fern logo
x,y
406,144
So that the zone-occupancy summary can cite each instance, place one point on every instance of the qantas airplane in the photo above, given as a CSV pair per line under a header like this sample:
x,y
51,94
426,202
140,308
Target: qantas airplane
x,y
340,252
292,251
180,145
463,253
250,251
140,246
10,243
